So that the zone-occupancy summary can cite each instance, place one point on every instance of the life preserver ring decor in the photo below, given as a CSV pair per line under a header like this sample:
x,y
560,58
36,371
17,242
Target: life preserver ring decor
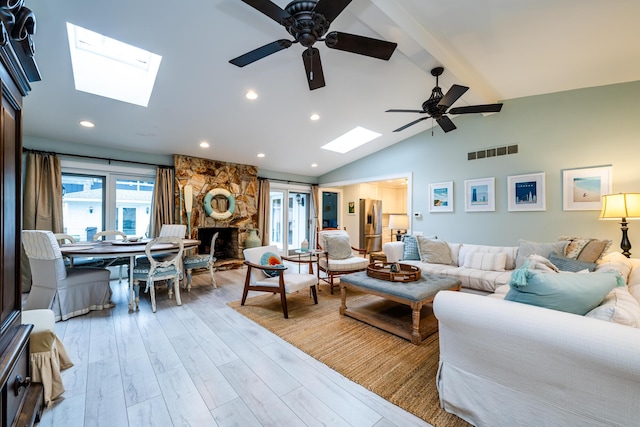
x,y
212,212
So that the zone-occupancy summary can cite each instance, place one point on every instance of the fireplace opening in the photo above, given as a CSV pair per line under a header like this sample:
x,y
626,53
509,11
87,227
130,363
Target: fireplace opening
x,y
226,247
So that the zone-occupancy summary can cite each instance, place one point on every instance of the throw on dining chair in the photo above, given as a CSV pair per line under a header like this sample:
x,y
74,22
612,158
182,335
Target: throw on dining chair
x,y
192,262
113,235
169,270
266,273
68,292
338,257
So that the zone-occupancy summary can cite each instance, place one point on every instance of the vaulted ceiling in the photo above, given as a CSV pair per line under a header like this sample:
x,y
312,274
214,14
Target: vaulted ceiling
x,y
501,49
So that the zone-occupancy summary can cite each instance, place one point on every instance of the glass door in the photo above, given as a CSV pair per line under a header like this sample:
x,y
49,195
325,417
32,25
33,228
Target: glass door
x,y
290,218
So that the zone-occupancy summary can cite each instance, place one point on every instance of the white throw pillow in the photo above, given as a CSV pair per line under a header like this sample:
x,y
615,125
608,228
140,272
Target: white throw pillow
x,y
486,261
434,251
618,307
338,247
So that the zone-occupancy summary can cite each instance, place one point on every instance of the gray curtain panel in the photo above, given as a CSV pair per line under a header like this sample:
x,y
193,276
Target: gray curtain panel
x,y
264,190
163,201
42,201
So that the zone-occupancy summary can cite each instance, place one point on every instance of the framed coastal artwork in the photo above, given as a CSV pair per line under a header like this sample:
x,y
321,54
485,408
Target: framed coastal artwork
x,y
582,189
441,197
526,192
351,208
479,195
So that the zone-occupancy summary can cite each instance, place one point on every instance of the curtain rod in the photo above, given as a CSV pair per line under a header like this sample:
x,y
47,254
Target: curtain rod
x,y
287,181
30,150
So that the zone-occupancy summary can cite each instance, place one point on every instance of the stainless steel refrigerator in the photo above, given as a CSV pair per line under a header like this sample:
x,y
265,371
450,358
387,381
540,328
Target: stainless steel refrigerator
x,y
371,225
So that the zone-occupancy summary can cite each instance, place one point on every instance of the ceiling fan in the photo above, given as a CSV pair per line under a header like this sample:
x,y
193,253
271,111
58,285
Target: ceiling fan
x,y
437,105
308,22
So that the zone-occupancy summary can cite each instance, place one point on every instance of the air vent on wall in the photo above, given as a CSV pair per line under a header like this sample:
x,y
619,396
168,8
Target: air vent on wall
x,y
492,152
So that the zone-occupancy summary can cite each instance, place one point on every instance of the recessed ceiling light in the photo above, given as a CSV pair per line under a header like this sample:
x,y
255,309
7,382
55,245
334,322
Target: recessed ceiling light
x,y
314,165
261,155
87,124
350,140
251,95
204,144
314,117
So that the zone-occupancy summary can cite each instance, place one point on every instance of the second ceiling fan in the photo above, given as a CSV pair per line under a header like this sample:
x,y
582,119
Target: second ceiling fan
x,y
437,106
308,22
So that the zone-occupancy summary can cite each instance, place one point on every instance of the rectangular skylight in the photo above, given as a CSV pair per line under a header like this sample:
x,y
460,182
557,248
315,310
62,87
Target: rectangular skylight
x,y
350,140
107,67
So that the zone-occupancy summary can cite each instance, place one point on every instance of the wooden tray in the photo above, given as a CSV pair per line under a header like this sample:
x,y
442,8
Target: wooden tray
x,y
382,271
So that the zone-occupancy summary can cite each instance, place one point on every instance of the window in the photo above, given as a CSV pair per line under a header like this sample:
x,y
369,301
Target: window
x,y
105,197
290,226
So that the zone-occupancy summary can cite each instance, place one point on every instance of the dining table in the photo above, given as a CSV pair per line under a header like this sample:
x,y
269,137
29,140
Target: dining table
x,y
121,249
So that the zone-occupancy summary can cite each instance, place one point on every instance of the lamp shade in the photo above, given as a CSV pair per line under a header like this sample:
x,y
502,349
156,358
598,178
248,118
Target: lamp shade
x,y
398,222
622,205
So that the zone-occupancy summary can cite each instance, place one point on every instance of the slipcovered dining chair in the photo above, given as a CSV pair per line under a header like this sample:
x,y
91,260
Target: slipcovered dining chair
x,y
169,269
192,262
68,292
338,257
266,273
113,235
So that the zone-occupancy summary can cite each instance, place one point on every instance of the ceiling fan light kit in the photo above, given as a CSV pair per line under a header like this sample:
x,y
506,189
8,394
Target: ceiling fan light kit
x,y
308,21
438,103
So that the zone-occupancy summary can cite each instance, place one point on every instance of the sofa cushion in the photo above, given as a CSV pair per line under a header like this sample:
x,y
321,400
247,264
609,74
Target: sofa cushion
x,y
467,249
410,248
618,307
338,246
571,292
486,261
571,264
585,248
526,248
617,263
434,251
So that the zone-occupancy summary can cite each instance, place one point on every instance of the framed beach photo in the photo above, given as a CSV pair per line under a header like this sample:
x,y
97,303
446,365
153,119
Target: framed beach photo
x,y
441,197
479,195
582,189
526,192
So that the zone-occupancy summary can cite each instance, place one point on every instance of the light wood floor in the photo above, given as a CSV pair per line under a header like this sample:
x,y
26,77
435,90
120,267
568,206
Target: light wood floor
x,y
201,364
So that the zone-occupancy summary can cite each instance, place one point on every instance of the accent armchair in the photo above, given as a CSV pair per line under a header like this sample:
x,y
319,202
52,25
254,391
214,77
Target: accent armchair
x,y
338,257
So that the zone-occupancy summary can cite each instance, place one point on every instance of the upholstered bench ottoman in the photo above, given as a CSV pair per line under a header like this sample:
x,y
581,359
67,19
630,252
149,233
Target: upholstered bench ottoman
x,y
384,313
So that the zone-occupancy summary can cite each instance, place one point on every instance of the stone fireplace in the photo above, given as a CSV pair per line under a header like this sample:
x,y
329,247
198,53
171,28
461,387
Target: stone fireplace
x,y
208,177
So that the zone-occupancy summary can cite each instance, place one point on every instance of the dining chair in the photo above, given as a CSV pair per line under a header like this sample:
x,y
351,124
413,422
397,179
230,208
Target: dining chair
x,y
168,269
266,273
338,256
68,292
195,261
167,230
113,262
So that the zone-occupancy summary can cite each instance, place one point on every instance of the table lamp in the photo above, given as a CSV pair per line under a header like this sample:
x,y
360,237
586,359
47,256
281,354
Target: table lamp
x,y
398,222
621,206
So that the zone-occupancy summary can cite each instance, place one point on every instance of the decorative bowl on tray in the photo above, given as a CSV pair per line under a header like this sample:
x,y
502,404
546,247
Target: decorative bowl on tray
x,y
393,271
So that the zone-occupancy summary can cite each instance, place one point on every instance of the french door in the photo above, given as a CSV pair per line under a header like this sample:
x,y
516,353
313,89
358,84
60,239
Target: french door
x,y
290,217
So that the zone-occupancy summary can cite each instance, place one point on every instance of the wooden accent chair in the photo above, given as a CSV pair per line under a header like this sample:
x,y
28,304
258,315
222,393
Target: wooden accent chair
x,y
338,257
279,280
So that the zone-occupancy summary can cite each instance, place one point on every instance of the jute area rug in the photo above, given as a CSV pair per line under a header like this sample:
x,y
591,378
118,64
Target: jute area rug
x,y
391,367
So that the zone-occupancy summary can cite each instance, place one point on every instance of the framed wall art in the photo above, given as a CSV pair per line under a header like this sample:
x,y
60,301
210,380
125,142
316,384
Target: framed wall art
x,y
441,197
351,208
582,189
526,192
479,195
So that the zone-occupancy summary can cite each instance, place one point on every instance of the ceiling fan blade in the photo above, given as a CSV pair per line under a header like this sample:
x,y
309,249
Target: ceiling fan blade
x,y
362,45
270,9
446,124
313,67
488,108
452,96
330,9
405,111
261,52
411,124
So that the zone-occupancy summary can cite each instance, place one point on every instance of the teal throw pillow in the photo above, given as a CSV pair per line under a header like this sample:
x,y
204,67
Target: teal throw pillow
x,y
410,248
570,292
273,260
571,264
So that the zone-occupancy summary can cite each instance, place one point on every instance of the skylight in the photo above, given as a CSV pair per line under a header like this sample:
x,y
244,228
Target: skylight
x,y
350,140
107,67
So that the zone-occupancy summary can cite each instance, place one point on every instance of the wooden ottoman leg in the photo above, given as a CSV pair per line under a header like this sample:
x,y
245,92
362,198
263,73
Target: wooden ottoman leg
x,y
343,299
416,307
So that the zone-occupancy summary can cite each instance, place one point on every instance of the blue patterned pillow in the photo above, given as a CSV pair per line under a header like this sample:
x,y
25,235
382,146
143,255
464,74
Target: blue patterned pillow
x,y
571,264
410,248
272,260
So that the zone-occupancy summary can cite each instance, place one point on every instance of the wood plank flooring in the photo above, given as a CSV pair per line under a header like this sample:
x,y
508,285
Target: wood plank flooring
x,y
201,364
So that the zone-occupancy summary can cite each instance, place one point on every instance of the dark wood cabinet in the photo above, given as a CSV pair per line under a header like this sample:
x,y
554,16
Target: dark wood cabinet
x,y
20,402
